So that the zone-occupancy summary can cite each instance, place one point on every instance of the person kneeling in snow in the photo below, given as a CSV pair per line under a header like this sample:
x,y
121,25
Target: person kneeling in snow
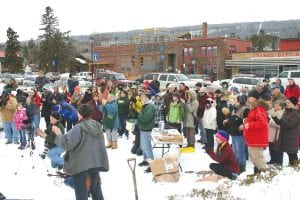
x,y
227,165
53,151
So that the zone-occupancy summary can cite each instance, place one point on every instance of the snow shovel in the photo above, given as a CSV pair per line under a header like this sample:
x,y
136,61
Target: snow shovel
x,y
132,168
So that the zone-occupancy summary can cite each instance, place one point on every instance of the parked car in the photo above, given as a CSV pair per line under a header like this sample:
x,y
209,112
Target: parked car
x,y
83,75
240,82
225,82
6,77
29,81
116,78
164,79
84,83
53,76
202,78
286,75
18,78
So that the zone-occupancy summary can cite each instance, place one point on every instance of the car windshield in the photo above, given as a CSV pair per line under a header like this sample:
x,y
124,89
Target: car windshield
x,y
182,77
120,77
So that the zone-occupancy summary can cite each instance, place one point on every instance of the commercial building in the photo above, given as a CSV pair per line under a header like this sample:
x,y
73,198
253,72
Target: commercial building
x,y
157,51
268,63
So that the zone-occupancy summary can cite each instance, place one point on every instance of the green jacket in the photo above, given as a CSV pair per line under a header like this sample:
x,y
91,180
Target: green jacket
x,y
146,118
176,112
49,140
123,106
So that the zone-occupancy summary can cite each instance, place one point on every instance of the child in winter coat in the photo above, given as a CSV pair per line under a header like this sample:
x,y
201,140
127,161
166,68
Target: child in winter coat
x,y
227,164
209,121
19,116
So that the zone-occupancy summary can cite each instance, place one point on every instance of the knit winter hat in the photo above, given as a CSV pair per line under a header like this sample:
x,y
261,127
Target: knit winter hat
x,y
294,100
55,115
85,110
222,135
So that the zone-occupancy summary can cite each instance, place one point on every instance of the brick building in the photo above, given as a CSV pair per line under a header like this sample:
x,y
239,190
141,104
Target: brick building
x,y
183,54
289,44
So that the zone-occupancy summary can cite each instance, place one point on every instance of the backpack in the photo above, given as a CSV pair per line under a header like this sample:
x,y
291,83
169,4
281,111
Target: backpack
x,y
68,112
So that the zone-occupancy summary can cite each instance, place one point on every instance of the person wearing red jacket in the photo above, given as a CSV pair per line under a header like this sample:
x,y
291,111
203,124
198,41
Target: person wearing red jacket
x,y
227,165
292,90
255,129
36,99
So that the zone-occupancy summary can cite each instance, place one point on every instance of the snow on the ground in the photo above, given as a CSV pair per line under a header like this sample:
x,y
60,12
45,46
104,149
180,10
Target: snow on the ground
x,y
32,182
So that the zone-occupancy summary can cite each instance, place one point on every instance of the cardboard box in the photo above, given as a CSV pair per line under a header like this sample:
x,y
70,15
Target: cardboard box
x,y
165,165
171,178
172,138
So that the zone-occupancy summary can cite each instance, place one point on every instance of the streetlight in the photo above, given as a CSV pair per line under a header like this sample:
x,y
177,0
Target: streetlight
x,y
92,58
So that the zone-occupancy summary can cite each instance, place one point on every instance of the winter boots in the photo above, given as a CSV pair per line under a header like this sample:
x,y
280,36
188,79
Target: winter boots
x,y
109,145
114,145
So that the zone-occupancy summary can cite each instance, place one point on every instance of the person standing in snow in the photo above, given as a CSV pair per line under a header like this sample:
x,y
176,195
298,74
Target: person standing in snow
x,y
86,153
289,129
146,123
255,129
210,121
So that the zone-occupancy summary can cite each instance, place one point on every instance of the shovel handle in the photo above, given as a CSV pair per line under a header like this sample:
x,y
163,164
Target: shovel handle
x,y
132,166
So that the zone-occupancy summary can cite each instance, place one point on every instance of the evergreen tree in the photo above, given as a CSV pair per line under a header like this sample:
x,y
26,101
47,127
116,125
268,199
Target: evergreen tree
x,y
13,61
55,47
49,23
263,41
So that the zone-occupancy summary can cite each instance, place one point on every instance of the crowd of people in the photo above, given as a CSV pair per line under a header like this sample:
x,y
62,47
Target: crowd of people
x,y
254,118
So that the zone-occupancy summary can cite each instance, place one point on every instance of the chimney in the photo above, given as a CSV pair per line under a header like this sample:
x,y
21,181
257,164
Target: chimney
x,y
204,30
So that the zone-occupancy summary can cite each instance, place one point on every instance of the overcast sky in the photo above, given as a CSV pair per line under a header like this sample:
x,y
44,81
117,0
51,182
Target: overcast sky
x,y
91,16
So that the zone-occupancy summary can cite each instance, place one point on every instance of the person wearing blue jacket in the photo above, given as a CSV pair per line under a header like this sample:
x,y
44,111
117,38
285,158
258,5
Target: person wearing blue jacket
x,y
67,112
110,121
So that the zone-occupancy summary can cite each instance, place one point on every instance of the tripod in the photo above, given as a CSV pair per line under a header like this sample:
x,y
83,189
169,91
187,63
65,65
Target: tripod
x,y
31,146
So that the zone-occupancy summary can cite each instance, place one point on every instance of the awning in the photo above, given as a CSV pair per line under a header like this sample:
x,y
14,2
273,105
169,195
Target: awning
x,y
263,62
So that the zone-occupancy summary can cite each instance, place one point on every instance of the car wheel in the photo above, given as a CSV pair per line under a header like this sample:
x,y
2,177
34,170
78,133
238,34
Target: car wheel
x,y
225,85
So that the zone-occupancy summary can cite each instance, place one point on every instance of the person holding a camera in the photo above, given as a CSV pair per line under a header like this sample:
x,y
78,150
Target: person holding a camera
x,y
8,106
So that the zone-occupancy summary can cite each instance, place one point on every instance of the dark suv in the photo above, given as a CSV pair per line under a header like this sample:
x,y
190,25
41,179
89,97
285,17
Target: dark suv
x,y
116,78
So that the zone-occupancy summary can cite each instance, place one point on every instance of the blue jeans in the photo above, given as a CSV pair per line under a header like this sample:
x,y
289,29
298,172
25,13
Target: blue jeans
x,y
22,137
145,144
238,144
122,128
203,136
11,134
54,155
36,119
81,192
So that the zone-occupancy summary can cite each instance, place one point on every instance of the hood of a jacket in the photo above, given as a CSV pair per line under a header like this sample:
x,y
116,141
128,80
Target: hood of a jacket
x,y
91,127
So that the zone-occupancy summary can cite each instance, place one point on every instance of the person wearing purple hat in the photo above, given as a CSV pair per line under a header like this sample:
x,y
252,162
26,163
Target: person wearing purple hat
x,y
227,164
289,129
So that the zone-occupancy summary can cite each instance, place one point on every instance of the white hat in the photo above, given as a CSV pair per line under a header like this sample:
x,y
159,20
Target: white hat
x,y
203,89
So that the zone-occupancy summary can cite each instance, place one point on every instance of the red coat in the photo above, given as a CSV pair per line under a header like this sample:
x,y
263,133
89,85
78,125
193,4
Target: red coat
x,y
226,157
292,91
257,133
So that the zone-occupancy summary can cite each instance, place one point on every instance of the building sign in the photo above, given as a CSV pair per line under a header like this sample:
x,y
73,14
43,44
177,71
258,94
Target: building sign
x,y
276,54
151,48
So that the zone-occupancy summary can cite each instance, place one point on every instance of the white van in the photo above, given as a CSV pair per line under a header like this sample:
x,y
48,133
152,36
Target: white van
x,y
83,75
285,75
